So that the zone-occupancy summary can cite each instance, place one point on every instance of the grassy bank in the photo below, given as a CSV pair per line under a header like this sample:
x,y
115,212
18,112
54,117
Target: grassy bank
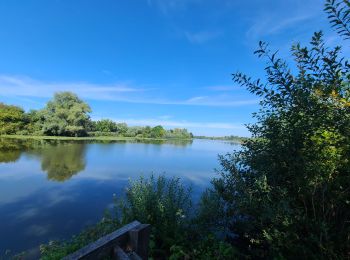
x,y
89,138
118,138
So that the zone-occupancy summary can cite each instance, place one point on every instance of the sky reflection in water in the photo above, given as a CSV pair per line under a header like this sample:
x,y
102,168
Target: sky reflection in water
x,y
53,189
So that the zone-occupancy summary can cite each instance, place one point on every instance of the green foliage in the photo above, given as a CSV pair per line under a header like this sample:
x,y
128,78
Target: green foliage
x,y
163,203
232,138
11,119
157,132
65,115
179,133
166,205
68,115
207,248
34,121
105,125
339,16
58,249
122,128
286,194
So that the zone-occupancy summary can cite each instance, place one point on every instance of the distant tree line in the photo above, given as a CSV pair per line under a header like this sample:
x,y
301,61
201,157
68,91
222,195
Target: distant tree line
x,y
67,115
232,138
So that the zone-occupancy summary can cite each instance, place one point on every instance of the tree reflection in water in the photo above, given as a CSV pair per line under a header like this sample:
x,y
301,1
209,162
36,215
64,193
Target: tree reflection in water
x,y
63,160
59,159
11,150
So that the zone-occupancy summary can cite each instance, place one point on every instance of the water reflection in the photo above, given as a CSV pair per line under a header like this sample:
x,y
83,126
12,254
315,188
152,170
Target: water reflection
x,y
10,150
38,203
61,159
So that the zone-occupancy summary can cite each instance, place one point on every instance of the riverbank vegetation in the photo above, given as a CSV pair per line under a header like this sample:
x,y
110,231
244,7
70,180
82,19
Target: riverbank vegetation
x,y
164,203
66,115
231,138
286,193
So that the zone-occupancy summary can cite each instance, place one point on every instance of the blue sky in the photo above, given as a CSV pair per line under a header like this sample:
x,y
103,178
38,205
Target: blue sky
x,y
149,62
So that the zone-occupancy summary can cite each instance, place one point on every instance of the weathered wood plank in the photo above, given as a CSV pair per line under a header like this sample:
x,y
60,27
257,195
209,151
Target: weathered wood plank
x,y
104,246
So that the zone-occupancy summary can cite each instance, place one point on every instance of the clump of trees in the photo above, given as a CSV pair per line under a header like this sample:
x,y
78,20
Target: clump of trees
x,y
67,115
12,119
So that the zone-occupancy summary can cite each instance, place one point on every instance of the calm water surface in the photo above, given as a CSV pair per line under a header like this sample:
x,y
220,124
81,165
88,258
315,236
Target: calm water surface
x,y
53,189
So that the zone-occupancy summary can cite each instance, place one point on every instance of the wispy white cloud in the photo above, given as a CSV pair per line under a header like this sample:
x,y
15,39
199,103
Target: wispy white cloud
x,y
28,87
273,25
196,99
220,100
25,87
286,16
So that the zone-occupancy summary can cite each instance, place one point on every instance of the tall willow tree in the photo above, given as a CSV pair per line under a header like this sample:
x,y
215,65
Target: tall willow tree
x,y
65,115
287,193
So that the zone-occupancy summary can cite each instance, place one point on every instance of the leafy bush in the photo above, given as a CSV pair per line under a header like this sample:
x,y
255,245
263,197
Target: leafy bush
x,y
163,203
177,232
207,247
286,194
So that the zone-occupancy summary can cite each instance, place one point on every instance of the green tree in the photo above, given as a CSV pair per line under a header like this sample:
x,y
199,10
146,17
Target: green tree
x,y
180,133
66,115
34,121
339,16
158,132
146,131
286,194
11,119
122,128
106,126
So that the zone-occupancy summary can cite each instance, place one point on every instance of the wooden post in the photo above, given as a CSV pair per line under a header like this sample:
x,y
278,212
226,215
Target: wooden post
x,y
139,240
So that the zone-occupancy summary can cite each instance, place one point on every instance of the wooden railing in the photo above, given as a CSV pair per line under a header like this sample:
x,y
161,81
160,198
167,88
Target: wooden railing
x,y
128,242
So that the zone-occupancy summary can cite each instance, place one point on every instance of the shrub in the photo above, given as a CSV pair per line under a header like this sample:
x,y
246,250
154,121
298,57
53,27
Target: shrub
x,y
163,203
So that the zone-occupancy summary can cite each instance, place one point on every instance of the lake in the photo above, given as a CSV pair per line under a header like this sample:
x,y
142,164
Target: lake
x,y
53,189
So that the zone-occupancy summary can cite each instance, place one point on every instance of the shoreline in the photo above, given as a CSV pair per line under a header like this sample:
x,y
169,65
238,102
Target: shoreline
x,y
90,138
110,138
